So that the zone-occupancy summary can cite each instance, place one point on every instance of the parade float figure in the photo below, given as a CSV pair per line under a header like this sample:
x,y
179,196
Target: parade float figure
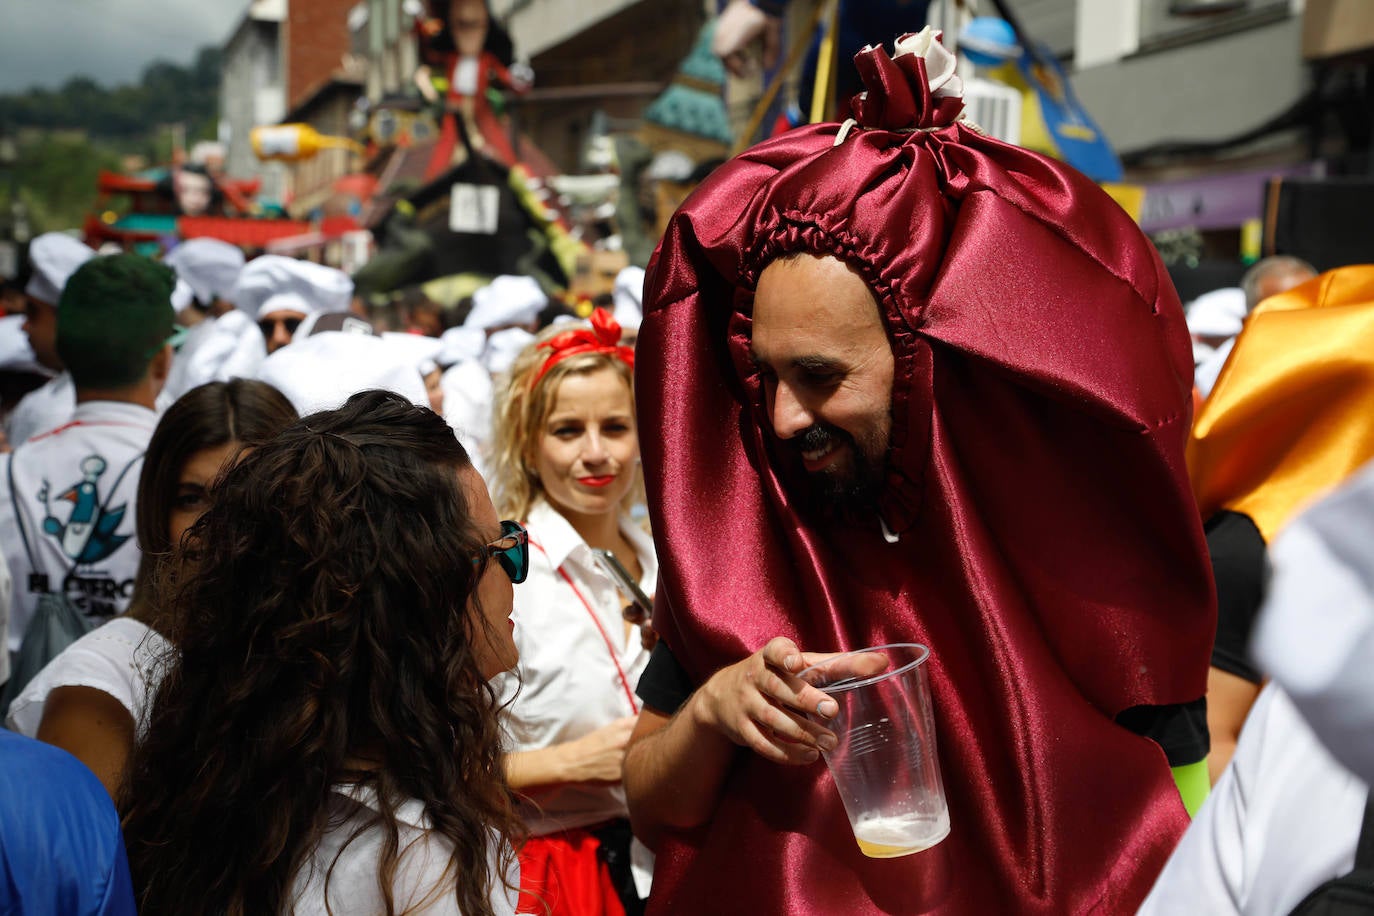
x,y
464,54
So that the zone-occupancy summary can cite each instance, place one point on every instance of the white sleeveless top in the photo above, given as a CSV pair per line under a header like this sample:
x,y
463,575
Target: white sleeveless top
x,y
121,658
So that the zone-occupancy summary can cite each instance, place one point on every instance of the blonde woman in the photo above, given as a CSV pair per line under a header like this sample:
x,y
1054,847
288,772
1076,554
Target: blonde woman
x,y
567,465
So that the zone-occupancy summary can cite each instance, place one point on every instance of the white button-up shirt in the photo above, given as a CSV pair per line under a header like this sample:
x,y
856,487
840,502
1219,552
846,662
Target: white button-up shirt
x,y
578,667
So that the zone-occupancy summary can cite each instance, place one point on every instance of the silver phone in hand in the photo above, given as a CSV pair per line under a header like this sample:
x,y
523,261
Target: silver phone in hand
x,y
641,608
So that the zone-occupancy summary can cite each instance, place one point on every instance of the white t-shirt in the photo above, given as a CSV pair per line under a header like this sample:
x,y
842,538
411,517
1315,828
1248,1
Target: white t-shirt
x,y
123,658
76,488
422,874
1283,819
42,409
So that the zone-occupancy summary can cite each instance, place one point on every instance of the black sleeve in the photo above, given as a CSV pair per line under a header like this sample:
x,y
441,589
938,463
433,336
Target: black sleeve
x,y
1239,565
1180,729
664,685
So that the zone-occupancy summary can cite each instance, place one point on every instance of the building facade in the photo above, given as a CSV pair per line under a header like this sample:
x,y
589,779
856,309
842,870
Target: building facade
x,y
252,93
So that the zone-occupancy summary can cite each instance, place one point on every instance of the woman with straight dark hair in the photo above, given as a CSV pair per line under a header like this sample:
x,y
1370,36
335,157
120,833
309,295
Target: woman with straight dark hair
x,y
327,741
91,698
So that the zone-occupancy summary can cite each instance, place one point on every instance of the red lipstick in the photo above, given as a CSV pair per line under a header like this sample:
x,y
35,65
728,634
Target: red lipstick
x,y
603,481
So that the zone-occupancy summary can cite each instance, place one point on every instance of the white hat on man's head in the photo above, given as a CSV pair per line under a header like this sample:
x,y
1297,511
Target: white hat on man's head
x,y
16,353
182,296
422,351
459,344
321,371
289,301
506,300
503,347
210,267
55,257
317,288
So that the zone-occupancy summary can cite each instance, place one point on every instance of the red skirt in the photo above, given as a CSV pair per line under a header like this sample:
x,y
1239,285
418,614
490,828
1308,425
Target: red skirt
x,y
561,875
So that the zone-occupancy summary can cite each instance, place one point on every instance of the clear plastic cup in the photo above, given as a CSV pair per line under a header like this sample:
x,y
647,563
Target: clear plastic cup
x,y
884,764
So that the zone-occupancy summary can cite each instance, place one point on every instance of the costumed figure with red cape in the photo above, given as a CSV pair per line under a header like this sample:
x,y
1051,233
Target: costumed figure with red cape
x,y
914,384
471,54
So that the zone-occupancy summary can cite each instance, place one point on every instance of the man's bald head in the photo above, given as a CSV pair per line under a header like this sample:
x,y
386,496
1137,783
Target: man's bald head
x,y
1272,276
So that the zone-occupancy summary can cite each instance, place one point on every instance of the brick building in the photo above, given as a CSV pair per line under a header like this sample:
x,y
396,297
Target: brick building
x,y
288,61
315,43
323,78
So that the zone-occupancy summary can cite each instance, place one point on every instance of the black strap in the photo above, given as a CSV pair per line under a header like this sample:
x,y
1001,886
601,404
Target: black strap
x,y
615,838
1364,849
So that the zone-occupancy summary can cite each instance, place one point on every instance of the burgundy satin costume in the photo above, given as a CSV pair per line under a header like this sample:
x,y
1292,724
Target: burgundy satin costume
x,y
1050,552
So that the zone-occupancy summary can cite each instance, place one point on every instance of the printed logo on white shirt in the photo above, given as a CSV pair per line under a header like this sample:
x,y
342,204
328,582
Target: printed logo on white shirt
x,y
86,533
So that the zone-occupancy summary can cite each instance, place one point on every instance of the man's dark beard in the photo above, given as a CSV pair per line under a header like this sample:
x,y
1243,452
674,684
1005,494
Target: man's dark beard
x,y
852,492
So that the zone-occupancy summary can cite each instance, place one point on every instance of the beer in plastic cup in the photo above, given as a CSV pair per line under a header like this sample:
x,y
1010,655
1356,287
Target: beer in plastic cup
x,y
884,763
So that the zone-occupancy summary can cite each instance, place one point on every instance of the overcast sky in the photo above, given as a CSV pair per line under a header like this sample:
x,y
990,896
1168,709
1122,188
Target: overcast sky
x,y
46,42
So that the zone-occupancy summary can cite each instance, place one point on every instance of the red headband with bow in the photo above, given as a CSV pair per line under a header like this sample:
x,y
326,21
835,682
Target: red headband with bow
x,y
602,337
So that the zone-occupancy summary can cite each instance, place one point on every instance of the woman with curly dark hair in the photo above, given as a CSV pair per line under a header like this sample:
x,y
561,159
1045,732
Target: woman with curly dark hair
x,y
328,742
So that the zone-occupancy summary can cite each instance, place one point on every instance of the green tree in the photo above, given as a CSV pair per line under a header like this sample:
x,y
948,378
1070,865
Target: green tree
x,y
56,176
166,93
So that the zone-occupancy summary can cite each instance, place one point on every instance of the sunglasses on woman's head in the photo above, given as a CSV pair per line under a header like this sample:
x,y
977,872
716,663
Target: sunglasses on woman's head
x,y
511,550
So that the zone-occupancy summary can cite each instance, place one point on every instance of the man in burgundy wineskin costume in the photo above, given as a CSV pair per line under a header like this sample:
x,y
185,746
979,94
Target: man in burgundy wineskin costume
x,y
902,382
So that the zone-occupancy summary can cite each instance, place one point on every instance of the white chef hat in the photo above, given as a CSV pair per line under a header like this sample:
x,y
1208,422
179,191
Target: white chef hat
x,y
323,370
1220,313
628,296
182,295
209,266
316,288
55,257
287,302
459,344
506,300
503,347
422,351
16,353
